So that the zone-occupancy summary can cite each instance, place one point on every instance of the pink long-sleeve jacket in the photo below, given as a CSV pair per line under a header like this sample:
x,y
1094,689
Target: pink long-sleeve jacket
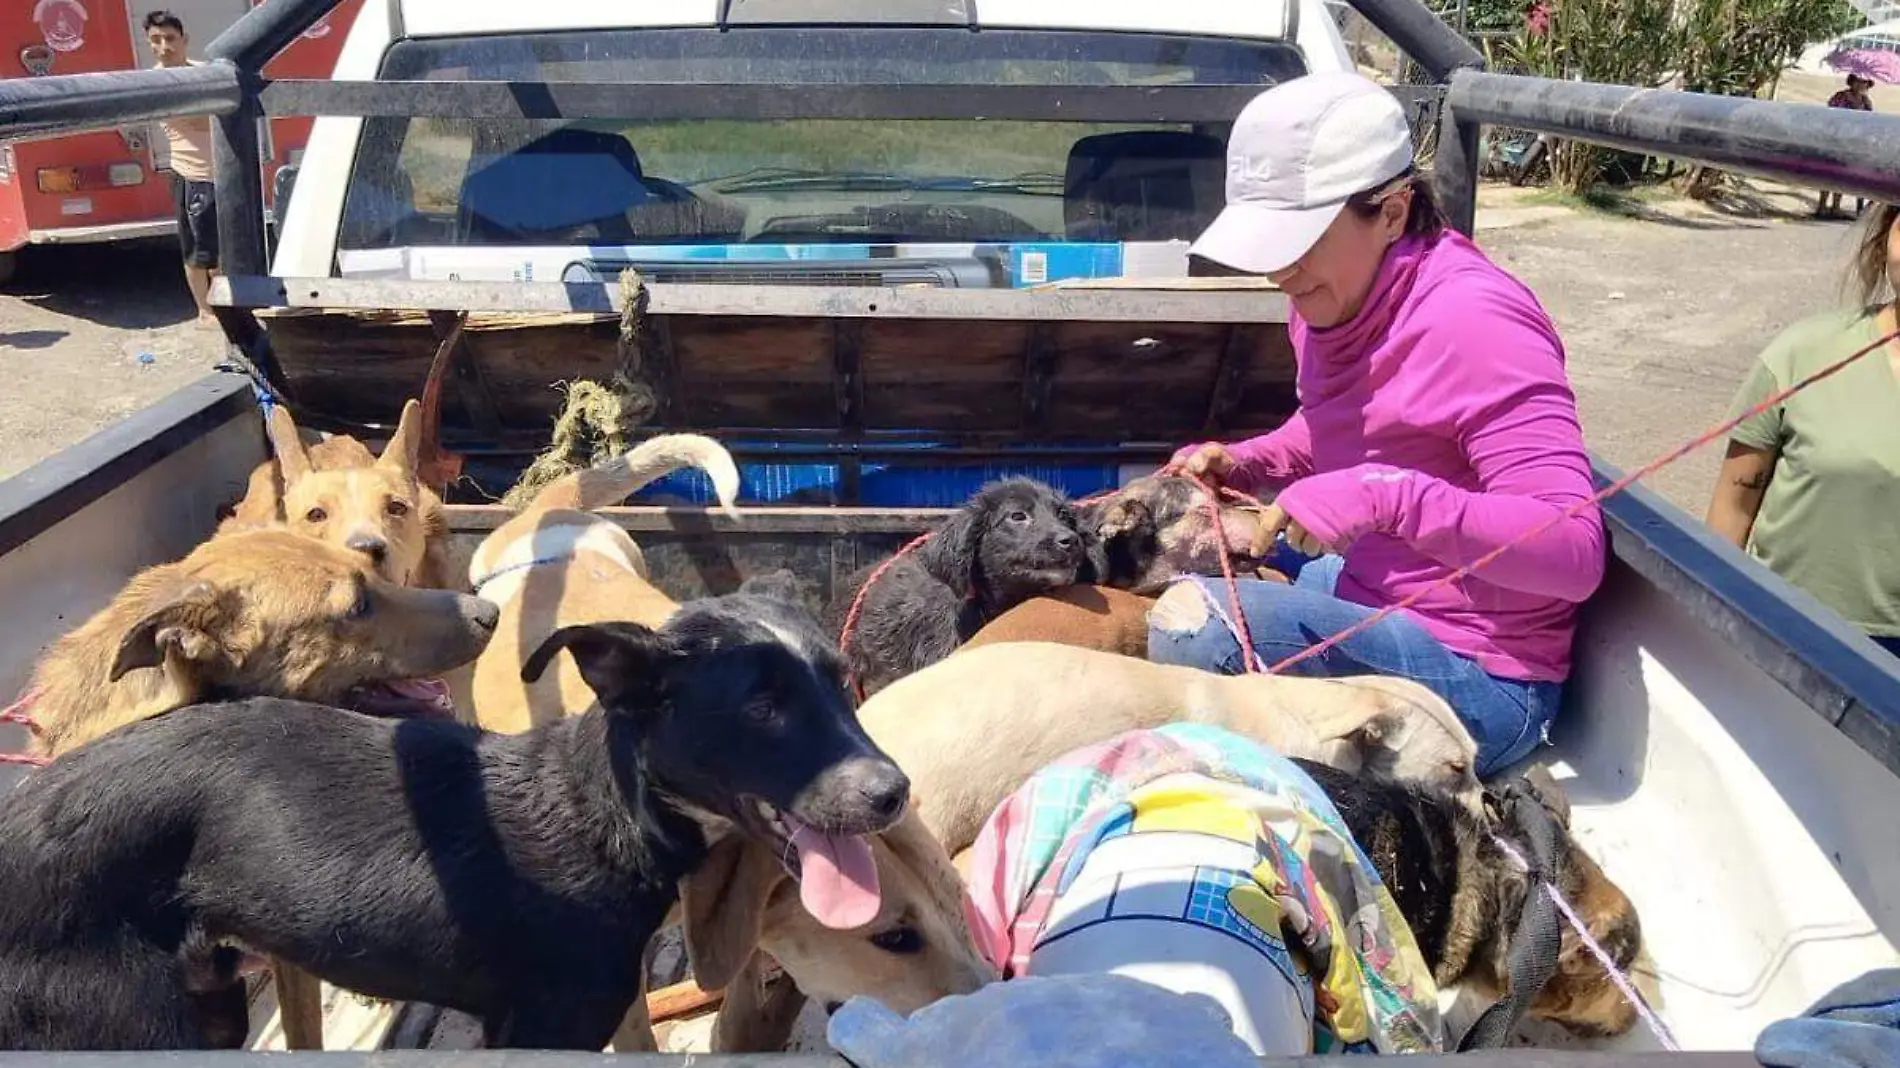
x,y
1434,427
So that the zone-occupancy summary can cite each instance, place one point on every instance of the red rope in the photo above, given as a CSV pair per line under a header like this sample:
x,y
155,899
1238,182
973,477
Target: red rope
x,y
1249,659
1621,484
857,605
17,713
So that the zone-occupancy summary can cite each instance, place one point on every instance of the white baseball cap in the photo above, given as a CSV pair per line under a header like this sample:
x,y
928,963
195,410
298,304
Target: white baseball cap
x,y
1298,151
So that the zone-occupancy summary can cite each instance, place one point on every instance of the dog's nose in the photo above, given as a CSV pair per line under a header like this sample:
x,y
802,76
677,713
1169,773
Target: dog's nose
x,y
885,789
369,545
484,614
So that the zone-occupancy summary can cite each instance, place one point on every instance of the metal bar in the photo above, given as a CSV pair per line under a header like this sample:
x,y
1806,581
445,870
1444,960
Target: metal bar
x,y
238,172
1852,151
38,498
529,1058
1020,305
67,102
1455,169
762,102
1421,35
266,30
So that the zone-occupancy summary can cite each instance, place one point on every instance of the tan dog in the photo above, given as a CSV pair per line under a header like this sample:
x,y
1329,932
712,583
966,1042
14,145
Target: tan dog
x,y
1088,617
916,951
256,613
556,565
974,727
339,492
336,491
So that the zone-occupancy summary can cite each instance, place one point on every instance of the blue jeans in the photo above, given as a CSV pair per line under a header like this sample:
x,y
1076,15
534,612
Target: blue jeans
x,y
1507,717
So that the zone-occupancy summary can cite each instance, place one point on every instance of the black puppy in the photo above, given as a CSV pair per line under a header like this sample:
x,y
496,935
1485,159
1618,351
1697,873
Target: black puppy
x,y
1015,539
514,877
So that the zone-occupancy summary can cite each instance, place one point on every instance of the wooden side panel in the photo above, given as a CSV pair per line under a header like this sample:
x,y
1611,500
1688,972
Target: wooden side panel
x,y
998,382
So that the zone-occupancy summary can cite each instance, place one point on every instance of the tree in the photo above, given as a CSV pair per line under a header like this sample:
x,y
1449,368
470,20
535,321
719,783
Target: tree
x,y
1625,42
1738,47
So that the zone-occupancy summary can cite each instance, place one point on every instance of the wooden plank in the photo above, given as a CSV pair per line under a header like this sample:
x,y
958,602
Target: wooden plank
x,y
1236,359
823,302
1039,374
659,366
752,522
681,999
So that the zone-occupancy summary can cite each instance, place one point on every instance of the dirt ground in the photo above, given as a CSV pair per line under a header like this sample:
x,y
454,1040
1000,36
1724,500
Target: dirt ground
x,y
1661,312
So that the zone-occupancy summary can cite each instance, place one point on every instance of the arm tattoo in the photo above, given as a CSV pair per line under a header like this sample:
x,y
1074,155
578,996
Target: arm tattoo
x,y
1755,483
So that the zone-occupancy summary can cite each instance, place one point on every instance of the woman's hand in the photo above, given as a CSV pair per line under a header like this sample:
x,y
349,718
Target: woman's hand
x,y
1210,462
1275,520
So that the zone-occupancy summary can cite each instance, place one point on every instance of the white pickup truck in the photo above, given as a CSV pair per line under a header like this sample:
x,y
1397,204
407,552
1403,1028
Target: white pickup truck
x,y
846,218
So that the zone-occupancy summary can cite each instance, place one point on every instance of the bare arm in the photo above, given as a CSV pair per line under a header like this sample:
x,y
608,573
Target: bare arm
x,y
1746,472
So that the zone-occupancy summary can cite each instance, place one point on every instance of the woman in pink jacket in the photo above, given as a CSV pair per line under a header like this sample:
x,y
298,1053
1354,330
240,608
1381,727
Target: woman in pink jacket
x,y
1436,424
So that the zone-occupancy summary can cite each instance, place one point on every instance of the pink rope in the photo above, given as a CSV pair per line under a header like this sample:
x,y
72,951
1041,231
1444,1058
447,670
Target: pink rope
x,y
1623,982
17,713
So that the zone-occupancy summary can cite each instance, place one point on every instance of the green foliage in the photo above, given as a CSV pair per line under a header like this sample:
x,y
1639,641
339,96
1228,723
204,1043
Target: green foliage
x,y
1737,47
1730,47
1625,42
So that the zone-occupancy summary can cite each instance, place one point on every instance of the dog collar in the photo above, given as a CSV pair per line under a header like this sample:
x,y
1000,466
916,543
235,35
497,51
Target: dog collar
x,y
522,566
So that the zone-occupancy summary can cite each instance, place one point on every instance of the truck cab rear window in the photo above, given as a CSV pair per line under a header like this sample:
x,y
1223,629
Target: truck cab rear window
x,y
457,182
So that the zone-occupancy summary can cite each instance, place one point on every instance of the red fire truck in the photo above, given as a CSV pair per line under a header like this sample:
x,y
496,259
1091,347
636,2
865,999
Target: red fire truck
x,y
108,186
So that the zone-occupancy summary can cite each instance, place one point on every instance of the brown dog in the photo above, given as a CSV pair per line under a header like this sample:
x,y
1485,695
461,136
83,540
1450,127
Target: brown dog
x,y
917,950
254,614
337,491
556,565
1159,527
1088,617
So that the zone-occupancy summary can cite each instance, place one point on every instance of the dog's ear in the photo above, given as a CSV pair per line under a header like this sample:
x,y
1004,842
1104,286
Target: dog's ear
x,y
182,620
624,664
953,548
1544,786
722,907
286,444
403,454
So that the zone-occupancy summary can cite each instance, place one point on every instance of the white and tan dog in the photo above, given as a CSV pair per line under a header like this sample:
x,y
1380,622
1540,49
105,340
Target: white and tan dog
x,y
556,564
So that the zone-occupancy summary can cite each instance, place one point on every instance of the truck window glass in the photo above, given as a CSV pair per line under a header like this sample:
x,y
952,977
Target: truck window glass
x,y
450,182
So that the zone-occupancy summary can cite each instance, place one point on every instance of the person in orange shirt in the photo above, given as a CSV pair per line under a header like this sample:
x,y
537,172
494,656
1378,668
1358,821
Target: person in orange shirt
x,y
189,141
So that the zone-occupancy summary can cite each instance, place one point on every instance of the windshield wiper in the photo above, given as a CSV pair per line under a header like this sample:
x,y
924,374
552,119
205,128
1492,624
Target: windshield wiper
x,y
788,178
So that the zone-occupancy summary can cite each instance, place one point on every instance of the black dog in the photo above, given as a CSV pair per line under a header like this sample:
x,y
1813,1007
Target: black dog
x,y
1015,539
514,877
1471,907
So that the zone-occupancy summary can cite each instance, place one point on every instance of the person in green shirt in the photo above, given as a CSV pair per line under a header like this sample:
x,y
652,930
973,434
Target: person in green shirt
x,y
1811,486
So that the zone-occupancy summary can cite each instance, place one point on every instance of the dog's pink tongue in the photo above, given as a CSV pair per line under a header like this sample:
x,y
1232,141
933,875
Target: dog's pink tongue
x,y
837,879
